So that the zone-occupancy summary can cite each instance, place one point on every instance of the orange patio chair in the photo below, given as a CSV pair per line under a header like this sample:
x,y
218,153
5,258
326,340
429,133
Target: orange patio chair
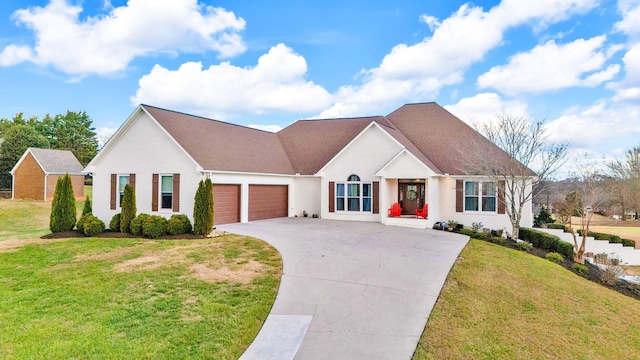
x,y
395,210
424,212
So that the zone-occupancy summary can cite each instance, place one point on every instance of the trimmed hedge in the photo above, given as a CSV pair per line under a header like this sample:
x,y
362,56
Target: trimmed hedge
x,y
93,226
547,242
154,226
136,224
475,234
81,221
556,226
179,224
615,239
114,224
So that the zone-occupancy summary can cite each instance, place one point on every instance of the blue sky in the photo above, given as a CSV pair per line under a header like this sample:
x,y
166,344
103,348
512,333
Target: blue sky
x,y
573,63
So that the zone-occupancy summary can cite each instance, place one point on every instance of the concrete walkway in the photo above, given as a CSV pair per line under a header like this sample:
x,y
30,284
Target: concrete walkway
x,y
350,290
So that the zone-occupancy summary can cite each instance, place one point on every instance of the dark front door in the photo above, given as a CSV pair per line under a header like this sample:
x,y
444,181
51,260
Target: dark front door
x,y
411,196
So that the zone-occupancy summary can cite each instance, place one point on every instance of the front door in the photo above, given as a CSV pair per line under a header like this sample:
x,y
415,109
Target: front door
x,y
411,196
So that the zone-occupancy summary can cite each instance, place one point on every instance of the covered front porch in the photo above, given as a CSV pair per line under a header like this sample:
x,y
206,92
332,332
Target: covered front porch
x,y
411,184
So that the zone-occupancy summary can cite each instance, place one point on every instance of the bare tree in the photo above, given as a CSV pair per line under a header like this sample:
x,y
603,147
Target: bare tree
x,y
532,161
626,181
587,196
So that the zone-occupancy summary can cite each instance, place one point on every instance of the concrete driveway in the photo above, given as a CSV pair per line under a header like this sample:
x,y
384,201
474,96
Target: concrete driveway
x,y
350,290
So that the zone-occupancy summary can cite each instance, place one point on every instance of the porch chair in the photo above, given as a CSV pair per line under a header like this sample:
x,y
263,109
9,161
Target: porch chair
x,y
424,212
395,210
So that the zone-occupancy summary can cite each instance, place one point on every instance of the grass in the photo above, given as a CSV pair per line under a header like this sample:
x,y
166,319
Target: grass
x,y
129,298
504,303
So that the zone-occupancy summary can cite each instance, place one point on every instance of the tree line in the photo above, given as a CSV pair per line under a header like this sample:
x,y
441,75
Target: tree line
x,y
70,131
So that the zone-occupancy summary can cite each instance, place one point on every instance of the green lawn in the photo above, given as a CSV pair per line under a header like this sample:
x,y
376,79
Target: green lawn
x,y
499,303
129,298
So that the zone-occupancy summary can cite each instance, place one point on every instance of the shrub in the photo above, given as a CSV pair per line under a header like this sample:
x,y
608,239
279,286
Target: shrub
x,y
476,226
63,207
580,269
498,240
610,274
627,242
136,224
154,226
543,217
93,226
547,242
524,246
556,226
81,221
86,209
179,224
128,208
114,224
467,231
555,257
203,208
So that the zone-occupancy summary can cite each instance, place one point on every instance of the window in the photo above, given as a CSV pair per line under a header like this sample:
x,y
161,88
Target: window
x,y
480,196
354,195
166,192
123,180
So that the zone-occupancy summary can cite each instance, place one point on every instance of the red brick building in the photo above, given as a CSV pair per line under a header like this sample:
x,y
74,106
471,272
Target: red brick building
x,y
36,173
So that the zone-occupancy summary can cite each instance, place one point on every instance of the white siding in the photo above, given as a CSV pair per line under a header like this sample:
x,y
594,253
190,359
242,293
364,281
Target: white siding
x,y
306,195
489,220
364,157
143,149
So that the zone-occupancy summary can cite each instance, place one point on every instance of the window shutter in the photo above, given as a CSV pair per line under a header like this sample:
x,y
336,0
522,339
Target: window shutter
x,y
459,195
332,196
132,180
114,189
176,192
154,192
376,197
501,208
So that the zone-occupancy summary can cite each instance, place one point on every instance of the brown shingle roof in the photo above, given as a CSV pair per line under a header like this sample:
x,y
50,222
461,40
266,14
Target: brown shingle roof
x,y
444,138
310,144
431,133
217,145
56,161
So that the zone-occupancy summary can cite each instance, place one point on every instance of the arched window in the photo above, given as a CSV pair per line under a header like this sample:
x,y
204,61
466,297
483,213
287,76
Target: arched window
x,y
354,195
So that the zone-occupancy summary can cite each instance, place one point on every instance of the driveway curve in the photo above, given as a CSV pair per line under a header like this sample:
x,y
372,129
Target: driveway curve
x,y
350,290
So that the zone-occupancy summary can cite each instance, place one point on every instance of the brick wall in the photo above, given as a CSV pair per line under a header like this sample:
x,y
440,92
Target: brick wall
x,y
28,180
77,181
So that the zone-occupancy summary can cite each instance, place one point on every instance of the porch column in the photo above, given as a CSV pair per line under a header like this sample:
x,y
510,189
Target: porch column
x,y
244,202
433,198
383,199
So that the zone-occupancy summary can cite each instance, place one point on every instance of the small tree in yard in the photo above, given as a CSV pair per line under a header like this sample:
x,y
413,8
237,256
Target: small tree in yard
x,y
583,201
63,207
529,148
87,206
128,208
203,208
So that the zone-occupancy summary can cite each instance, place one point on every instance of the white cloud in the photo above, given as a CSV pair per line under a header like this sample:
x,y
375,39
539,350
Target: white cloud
x,y
600,125
485,107
269,128
629,88
106,44
630,23
551,67
417,72
276,83
14,54
104,134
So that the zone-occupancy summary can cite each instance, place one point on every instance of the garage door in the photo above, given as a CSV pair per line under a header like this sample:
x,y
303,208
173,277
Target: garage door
x,y
268,201
226,203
